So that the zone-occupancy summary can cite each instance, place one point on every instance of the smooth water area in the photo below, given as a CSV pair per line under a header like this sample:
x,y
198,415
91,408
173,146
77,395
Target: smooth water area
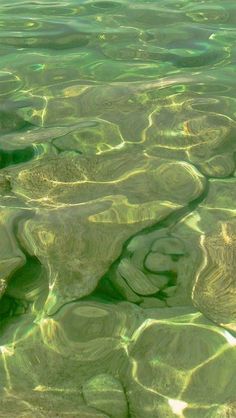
x,y
117,209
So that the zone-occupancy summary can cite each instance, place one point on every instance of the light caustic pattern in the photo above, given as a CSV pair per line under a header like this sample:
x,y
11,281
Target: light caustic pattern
x,y
117,209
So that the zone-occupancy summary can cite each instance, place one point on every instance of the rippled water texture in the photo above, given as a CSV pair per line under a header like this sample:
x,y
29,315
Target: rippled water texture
x,y
117,209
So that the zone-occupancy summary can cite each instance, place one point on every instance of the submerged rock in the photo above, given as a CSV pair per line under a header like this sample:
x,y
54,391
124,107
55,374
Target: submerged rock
x,y
214,291
89,207
106,394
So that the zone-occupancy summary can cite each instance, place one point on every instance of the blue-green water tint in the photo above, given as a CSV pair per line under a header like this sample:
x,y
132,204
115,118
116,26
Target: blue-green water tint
x,y
117,209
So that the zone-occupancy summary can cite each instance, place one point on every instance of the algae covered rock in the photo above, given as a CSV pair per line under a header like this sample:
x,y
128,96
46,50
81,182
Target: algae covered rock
x,y
89,207
214,285
106,393
73,179
215,279
196,134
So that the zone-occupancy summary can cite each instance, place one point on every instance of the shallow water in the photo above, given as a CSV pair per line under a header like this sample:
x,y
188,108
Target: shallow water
x,y
117,202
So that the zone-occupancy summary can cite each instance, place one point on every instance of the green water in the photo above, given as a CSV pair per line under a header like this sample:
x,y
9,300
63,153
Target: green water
x,y
117,209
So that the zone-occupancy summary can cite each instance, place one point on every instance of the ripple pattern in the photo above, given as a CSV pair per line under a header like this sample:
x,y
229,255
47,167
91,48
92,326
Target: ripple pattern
x,y
117,209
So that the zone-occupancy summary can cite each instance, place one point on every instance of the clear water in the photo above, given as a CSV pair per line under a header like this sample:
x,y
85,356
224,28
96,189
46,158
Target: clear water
x,y
117,209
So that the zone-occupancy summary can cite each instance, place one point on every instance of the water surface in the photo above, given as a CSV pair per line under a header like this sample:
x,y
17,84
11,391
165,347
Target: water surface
x,y
117,209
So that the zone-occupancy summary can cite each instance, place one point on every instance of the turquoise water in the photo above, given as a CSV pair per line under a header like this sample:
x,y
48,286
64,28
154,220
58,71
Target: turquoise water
x,y
117,209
